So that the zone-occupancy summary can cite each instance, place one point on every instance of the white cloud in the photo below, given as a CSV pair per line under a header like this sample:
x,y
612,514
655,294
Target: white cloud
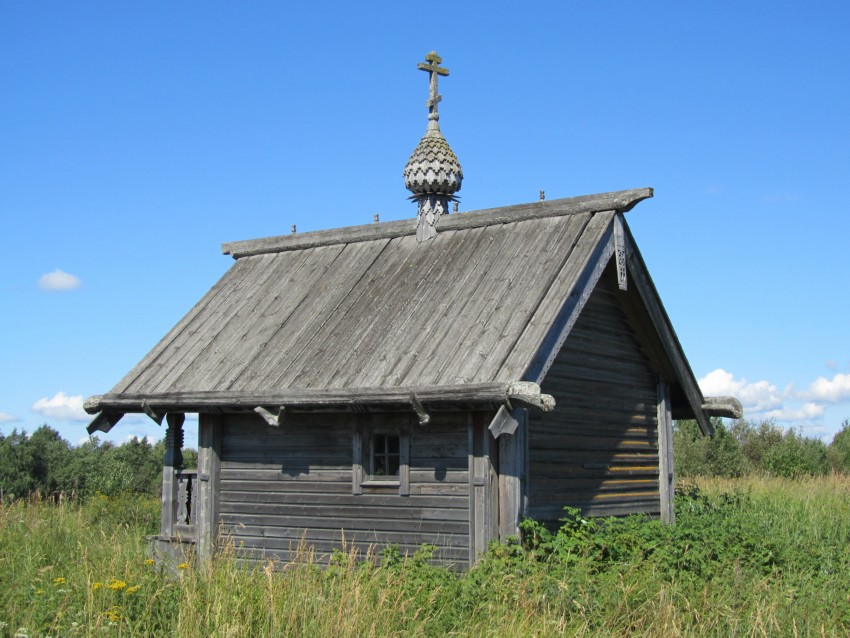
x,y
5,417
833,390
763,400
755,397
58,280
63,407
808,412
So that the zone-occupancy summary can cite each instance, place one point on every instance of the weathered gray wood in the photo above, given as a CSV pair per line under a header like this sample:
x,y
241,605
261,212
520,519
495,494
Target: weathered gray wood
x,y
563,289
618,200
484,487
592,255
620,252
665,453
653,305
417,406
297,397
404,461
174,359
293,494
103,421
209,472
156,418
503,423
273,339
543,260
168,514
460,271
511,477
497,271
728,407
274,420
358,474
266,310
598,450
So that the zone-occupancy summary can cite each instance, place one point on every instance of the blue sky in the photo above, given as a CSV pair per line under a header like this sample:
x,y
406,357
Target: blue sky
x,y
135,138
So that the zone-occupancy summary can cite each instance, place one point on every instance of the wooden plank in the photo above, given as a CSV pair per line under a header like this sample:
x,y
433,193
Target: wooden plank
x,y
302,397
246,332
456,330
556,313
353,524
618,200
197,339
339,512
511,477
652,303
447,290
456,355
349,536
364,333
277,339
334,500
620,248
209,473
665,455
358,473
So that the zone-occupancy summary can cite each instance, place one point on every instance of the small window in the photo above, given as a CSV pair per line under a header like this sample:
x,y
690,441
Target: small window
x,y
385,457
381,462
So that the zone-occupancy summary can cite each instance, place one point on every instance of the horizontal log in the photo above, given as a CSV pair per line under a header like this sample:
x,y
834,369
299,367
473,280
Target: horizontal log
x,y
233,520
348,513
339,398
617,201
334,501
728,407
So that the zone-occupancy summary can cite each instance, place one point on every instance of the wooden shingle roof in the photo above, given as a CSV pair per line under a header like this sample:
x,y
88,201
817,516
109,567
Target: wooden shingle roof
x,y
367,311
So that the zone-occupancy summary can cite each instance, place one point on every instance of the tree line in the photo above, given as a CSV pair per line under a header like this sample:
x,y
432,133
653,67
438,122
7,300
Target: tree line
x,y
46,464
746,447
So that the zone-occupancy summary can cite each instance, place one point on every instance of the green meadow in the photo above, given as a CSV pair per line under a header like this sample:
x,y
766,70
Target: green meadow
x,y
747,557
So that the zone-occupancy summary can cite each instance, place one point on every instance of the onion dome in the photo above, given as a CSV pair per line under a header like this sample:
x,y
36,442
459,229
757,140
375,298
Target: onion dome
x,y
433,168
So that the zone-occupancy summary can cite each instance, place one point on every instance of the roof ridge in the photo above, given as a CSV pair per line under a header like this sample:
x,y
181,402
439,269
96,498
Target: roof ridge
x,y
620,201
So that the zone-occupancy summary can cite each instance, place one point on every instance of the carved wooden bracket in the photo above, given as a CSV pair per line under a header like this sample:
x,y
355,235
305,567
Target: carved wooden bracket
x,y
503,423
416,404
157,418
274,420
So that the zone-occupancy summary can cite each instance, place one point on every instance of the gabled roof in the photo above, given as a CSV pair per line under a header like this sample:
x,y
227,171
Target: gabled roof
x,y
366,314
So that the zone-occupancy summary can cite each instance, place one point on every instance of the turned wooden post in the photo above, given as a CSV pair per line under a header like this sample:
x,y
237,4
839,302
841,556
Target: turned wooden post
x,y
172,463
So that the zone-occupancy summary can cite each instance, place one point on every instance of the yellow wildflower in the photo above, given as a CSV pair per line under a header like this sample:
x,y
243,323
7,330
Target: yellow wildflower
x,y
149,561
96,586
113,614
39,592
117,585
183,566
58,581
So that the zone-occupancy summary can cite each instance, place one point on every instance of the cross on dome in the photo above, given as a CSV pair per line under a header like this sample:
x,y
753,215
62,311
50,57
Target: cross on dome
x,y
433,68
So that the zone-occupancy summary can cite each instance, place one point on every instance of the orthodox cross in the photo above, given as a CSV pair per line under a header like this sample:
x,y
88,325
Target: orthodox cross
x,y
432,66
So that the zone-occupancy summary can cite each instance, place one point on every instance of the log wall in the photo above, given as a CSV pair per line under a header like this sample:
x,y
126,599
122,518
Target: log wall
x,y
599,449
283,486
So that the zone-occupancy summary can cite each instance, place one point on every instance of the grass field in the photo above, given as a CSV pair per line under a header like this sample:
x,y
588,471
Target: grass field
x,y
748,557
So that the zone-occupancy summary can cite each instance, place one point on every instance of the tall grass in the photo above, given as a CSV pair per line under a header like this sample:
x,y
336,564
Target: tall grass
x,y
751,557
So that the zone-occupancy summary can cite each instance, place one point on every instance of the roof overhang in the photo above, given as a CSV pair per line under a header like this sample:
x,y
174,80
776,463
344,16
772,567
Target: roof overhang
x,y
109,408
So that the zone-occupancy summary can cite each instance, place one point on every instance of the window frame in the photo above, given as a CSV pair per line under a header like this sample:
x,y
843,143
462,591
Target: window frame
x,y
366,427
